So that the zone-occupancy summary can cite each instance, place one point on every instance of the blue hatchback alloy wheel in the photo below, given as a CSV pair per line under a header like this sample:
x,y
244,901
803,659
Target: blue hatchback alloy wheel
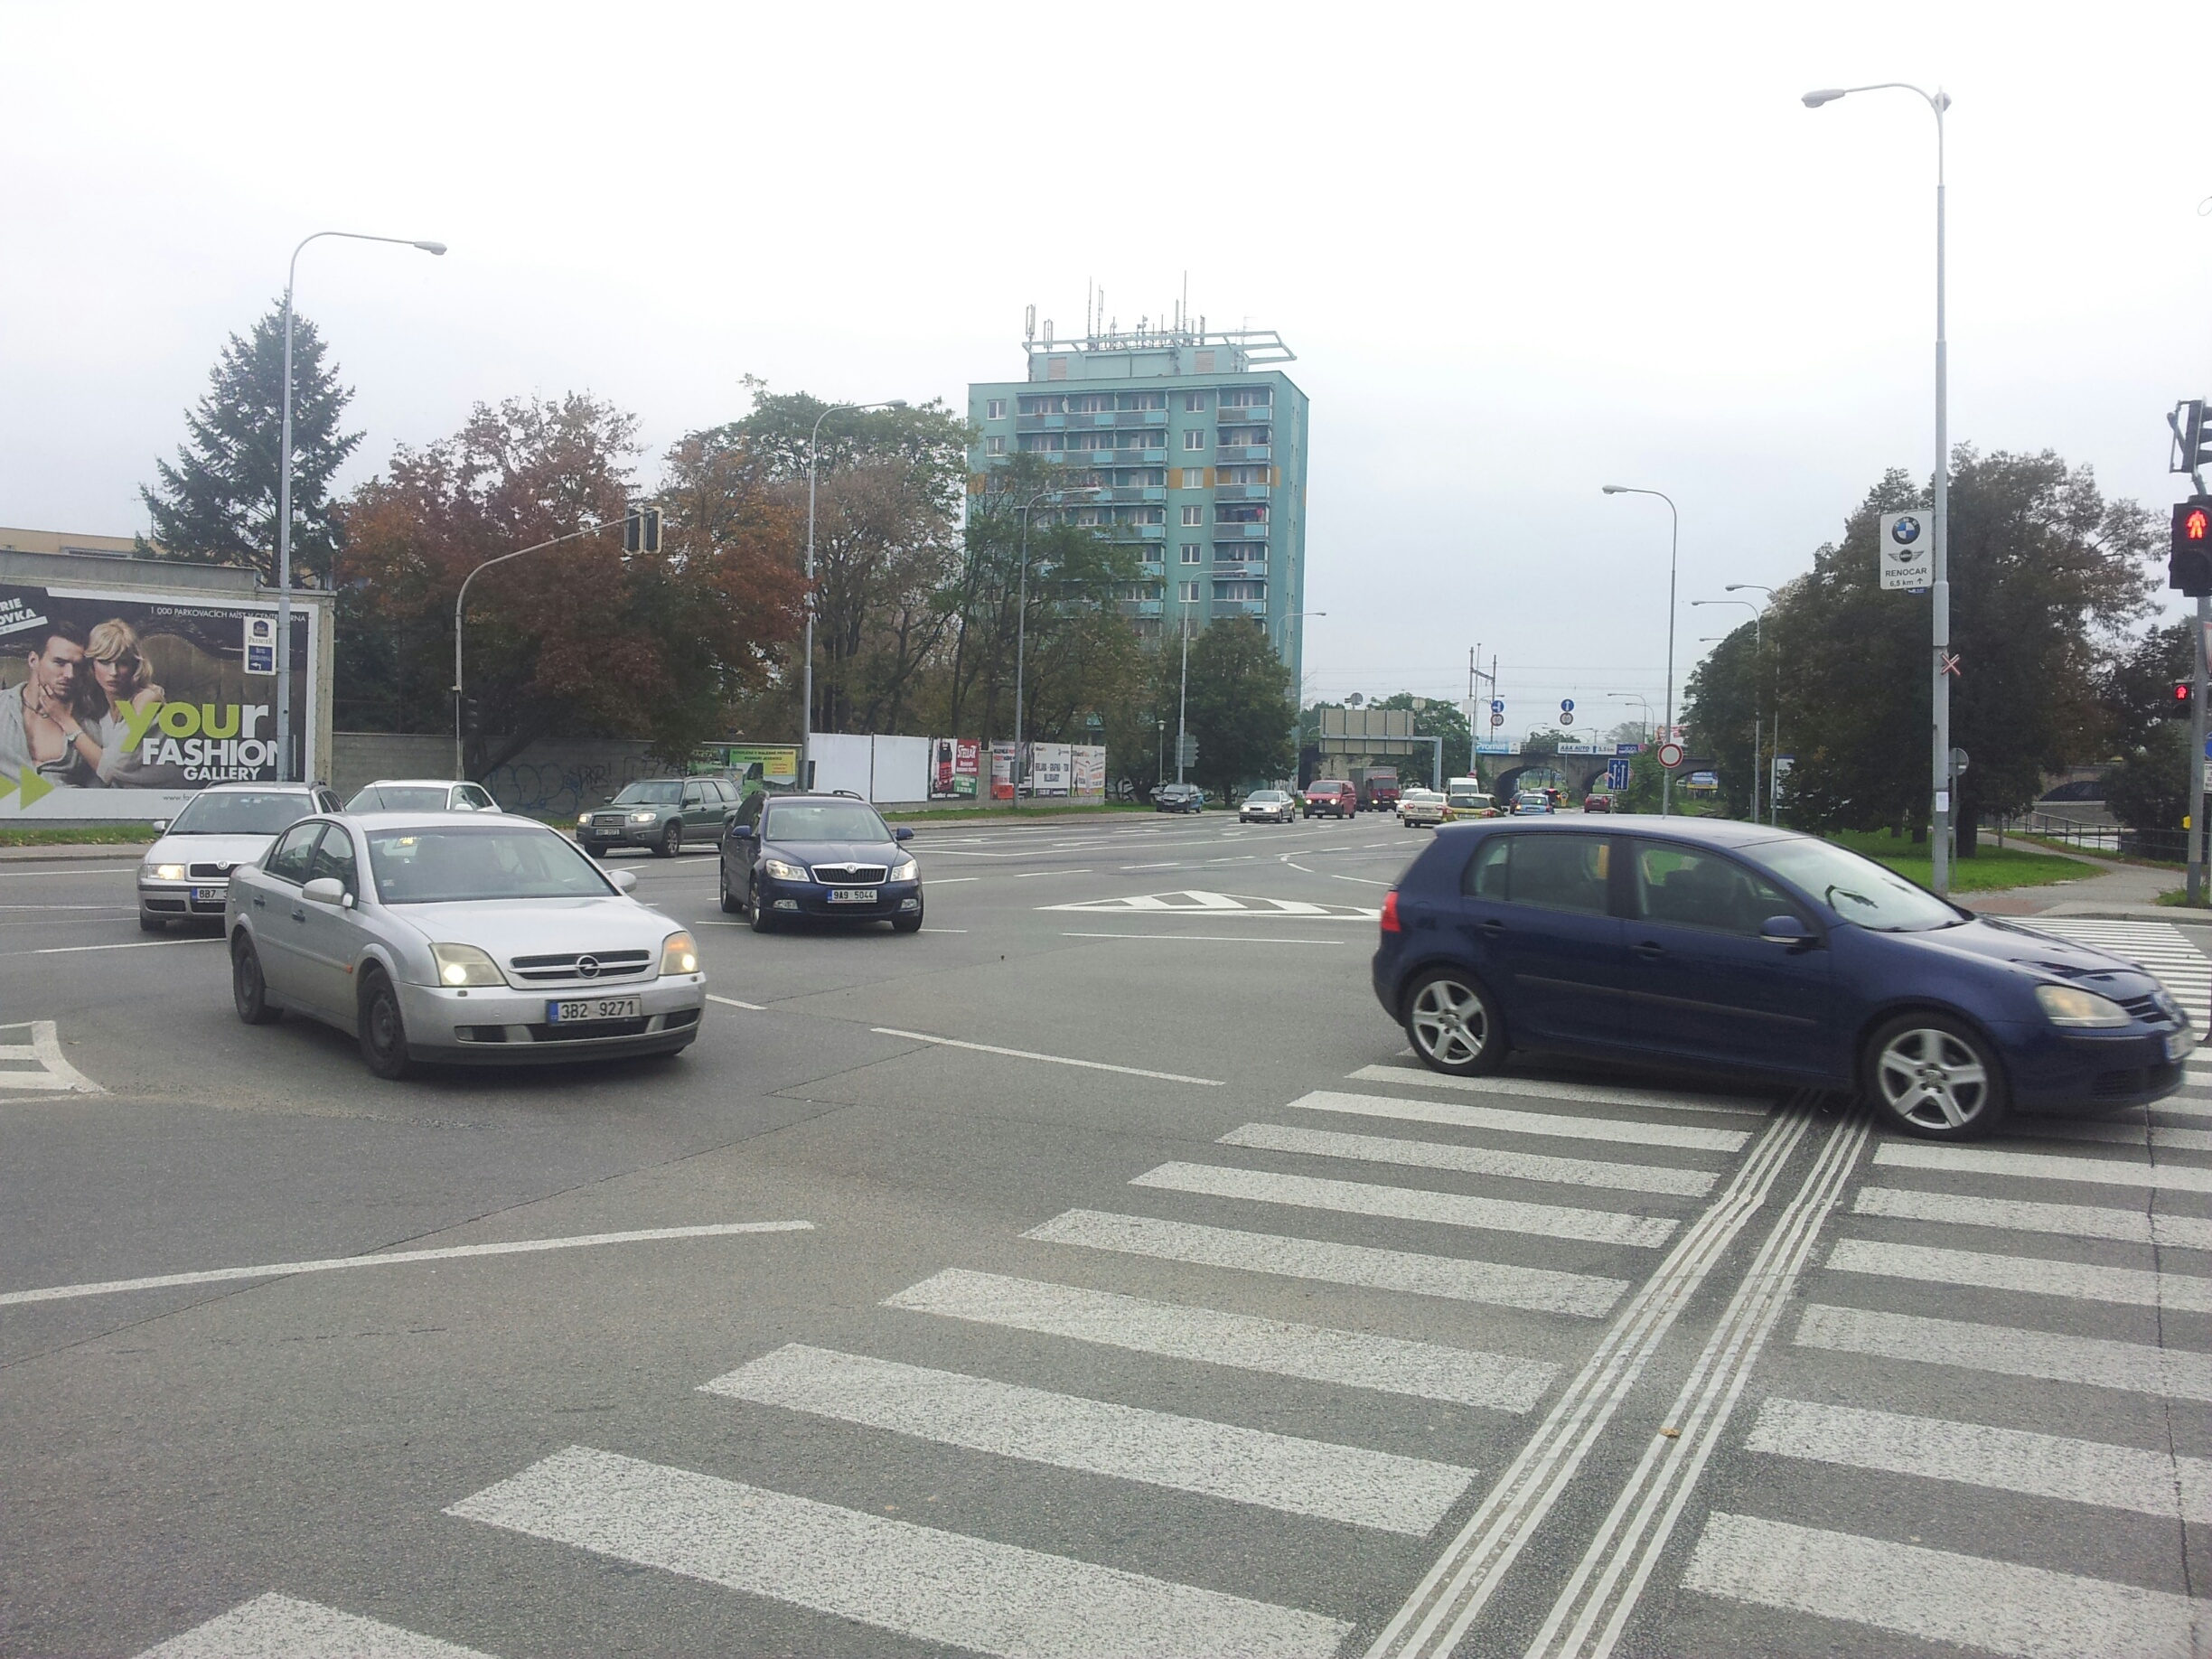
x,y
1934,1077
1452,1024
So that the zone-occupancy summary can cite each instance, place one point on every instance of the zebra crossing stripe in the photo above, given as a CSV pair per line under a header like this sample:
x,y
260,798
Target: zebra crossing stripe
x,y
273,1627
2123,1133
916,1581
1409,1204
2022,1215
2150,1482
1184,1454
1611,1130
2030,1275
1937,1596
2051,1357
2042,1167
1421,1077
1473,1160
37,1066
1455,1278
1280,1347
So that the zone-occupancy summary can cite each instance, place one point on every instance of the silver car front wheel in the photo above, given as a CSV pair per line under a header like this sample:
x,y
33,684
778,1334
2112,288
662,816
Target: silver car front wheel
x,y
1453,1026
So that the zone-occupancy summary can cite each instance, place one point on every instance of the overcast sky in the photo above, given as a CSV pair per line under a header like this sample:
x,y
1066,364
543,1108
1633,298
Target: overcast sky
x,y
1519,252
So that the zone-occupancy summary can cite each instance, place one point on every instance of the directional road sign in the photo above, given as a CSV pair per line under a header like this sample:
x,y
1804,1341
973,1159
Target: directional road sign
x,y
1496,706
1617,776
1566,704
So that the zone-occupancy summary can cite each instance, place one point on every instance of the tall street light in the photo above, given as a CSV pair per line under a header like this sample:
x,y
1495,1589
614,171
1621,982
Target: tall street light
x,y
1940,851
1021,624
1666,774
806,718
283,499
1637,697
1758,656
1774,734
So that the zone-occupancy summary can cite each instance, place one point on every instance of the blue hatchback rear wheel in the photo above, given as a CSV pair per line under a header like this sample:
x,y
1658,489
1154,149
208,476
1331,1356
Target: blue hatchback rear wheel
x,y
1453,1024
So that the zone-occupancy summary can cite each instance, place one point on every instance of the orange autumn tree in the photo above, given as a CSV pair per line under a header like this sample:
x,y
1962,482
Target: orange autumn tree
x,y
581,639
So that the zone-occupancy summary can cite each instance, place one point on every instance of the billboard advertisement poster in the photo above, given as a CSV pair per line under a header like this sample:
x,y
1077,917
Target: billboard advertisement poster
x,y
768,763
1050,766
123,705
1002,772
953,763
1090,764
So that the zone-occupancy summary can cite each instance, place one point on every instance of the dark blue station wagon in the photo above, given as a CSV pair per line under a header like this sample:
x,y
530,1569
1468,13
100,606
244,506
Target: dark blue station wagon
x,y
1720,946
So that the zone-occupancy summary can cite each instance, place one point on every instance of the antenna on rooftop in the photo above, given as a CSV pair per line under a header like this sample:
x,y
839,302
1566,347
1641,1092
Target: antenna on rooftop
x,y
1028,324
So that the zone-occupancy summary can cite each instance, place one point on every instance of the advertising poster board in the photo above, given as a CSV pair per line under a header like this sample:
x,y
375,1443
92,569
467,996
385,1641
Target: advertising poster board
x,y
124,704
953,764
1090,772
778,763
1050,768
1002,772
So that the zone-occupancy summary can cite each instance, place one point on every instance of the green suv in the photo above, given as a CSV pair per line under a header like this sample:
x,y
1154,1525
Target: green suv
x,y
659,814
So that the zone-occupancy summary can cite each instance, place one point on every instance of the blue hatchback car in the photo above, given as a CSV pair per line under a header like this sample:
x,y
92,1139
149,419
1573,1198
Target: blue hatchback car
x,y
818,858
1707,943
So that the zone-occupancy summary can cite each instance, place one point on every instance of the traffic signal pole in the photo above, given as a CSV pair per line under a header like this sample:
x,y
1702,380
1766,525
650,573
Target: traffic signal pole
x,y
2195,794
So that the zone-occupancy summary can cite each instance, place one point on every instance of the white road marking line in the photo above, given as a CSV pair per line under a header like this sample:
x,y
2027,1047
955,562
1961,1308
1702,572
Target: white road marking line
x,y
136,944
2150,1482
1473,1160
916,1581
1213,938
1935,1595
54,1074
950,881
1025,1054
1421,1077
1175,864
1586,1620
396,1257
1032,875
2020,1215
2030,1275
1452,1594
2050,1356
2175,1106
1457,1279
732,1002
1280,1347
2041,1166
112,910
1522,1120
273,1627
1349,1483
944,930
2121,1134
1410,1204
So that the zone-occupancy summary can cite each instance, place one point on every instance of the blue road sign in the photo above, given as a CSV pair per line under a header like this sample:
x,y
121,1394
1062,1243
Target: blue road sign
x,y
1566,704
1496,706
1617,776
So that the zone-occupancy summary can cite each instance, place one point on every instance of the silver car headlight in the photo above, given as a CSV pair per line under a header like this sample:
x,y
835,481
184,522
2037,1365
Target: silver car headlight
x,y
678,954
2070,1004
461,964
783,871
163,872
904,870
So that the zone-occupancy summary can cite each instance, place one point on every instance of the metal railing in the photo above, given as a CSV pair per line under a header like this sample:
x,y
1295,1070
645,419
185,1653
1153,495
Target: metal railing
x,y
2158,845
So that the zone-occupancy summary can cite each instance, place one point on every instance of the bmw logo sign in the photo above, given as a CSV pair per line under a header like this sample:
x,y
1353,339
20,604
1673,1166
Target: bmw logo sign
x,y
1905,531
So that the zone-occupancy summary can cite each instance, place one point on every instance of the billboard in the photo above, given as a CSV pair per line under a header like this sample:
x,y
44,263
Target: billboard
x,y
1090,772
122,703
954,764
1050,768
1002,772
776,762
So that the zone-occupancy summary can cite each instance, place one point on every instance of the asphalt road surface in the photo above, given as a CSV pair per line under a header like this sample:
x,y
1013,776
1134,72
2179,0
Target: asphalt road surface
x,y
1091,1273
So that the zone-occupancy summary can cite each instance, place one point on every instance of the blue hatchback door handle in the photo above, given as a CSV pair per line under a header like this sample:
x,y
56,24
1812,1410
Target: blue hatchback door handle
x,y
1493,926
1651,949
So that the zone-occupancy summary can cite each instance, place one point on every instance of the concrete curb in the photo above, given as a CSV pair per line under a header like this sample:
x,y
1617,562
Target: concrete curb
x,y
133,851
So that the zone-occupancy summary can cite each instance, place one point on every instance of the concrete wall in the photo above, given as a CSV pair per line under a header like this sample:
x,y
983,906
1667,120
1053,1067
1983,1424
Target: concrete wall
x,y
549,779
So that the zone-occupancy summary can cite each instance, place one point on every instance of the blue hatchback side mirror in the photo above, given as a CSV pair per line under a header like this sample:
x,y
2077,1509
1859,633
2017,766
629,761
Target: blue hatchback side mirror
x,y
1785,930
902,834
741,832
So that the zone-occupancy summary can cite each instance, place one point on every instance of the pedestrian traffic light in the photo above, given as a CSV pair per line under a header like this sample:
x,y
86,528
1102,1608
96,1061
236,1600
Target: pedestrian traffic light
x,y
2188,567
2184,698
642,531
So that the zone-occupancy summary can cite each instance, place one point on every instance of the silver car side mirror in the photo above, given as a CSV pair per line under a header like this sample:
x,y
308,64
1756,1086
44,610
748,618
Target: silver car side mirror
x,y
623,880
325,890
160,826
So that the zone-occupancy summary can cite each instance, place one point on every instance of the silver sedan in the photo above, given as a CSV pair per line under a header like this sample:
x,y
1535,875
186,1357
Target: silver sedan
x,y
486,939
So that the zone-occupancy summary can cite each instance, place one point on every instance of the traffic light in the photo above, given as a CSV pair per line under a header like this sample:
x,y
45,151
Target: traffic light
x,y
2188,567
2183,699
642,531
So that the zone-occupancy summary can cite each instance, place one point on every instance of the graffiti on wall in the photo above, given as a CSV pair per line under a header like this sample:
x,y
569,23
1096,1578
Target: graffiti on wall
x,y
555,788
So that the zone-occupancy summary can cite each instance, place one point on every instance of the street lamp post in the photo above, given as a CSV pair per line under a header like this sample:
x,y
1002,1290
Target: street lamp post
x,y
1758,655
1774,733
461,599
1940,834
1637,697
806,717
1666,776
284,497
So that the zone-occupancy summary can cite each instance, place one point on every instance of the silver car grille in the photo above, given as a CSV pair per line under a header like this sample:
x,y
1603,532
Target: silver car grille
x,y
859,874
209,872
587,967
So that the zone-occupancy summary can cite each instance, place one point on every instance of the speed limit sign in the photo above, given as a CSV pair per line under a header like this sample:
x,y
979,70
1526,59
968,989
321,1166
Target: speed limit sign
x,y
1670,756
1498,720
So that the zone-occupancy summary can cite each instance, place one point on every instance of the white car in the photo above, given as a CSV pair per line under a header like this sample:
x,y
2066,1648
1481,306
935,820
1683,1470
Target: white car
x,y
187,872
421,795
484,938
1268,806
1421,806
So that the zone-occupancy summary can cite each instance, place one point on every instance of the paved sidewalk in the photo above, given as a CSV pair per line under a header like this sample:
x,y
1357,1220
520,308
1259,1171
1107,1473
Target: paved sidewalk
x,y
2126,891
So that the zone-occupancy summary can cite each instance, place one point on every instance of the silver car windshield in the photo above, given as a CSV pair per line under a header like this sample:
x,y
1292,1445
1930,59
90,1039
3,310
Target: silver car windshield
x,y
388,800
436,865
809,821
1857,889
243,812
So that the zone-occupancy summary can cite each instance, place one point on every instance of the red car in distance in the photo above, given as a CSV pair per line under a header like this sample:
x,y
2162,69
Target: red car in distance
x,y
1335,796
1596,803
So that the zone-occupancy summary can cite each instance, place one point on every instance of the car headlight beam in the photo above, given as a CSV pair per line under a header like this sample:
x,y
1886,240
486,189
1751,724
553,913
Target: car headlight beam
x,y
680,954
464,964
165,871
2070,1004
640,818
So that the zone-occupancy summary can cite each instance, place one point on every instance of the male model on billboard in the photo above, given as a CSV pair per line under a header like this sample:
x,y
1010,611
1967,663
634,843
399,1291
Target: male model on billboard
x,y
39,728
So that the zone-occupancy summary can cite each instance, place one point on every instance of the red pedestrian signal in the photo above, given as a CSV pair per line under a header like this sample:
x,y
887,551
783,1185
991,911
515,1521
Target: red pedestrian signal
x,y
2188,565
2183,692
